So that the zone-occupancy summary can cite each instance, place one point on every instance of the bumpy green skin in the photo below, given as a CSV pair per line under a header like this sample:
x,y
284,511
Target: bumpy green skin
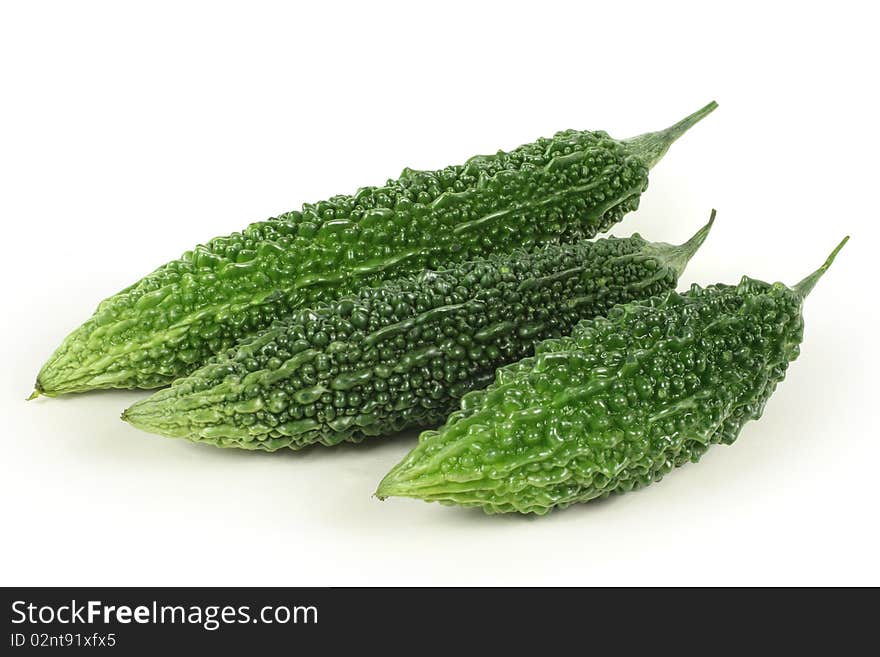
x,y
404,353
613,407
567,188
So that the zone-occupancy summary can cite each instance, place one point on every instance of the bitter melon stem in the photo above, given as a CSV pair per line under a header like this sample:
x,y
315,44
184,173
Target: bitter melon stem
x,y
677,256
652,146
806,286
684,252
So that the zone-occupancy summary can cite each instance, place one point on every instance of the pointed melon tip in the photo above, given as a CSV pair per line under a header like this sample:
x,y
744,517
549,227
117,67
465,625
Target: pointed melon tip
x,y
40,390
390,486
652,146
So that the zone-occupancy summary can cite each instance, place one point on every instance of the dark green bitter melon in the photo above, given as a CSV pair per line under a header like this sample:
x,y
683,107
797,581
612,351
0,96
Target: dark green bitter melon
x,y
404,353
566,188
615,406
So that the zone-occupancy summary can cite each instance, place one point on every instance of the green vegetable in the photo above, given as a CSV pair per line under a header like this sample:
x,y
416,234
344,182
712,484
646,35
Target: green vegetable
x,y
567,188
615,406
404,353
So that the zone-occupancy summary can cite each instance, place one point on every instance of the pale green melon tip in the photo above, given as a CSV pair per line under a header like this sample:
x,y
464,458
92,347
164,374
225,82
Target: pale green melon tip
x,y
382,492
390,486
134,418
40,390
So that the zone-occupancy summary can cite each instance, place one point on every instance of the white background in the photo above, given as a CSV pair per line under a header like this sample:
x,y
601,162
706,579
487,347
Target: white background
x,y
129,133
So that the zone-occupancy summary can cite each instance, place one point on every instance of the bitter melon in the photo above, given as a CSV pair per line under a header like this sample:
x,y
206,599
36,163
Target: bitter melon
x,y
404,353
616,405
567,188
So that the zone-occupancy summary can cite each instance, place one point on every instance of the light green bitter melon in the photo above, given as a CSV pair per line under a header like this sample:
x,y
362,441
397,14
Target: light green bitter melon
x,y
566,188
402,354
615,406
